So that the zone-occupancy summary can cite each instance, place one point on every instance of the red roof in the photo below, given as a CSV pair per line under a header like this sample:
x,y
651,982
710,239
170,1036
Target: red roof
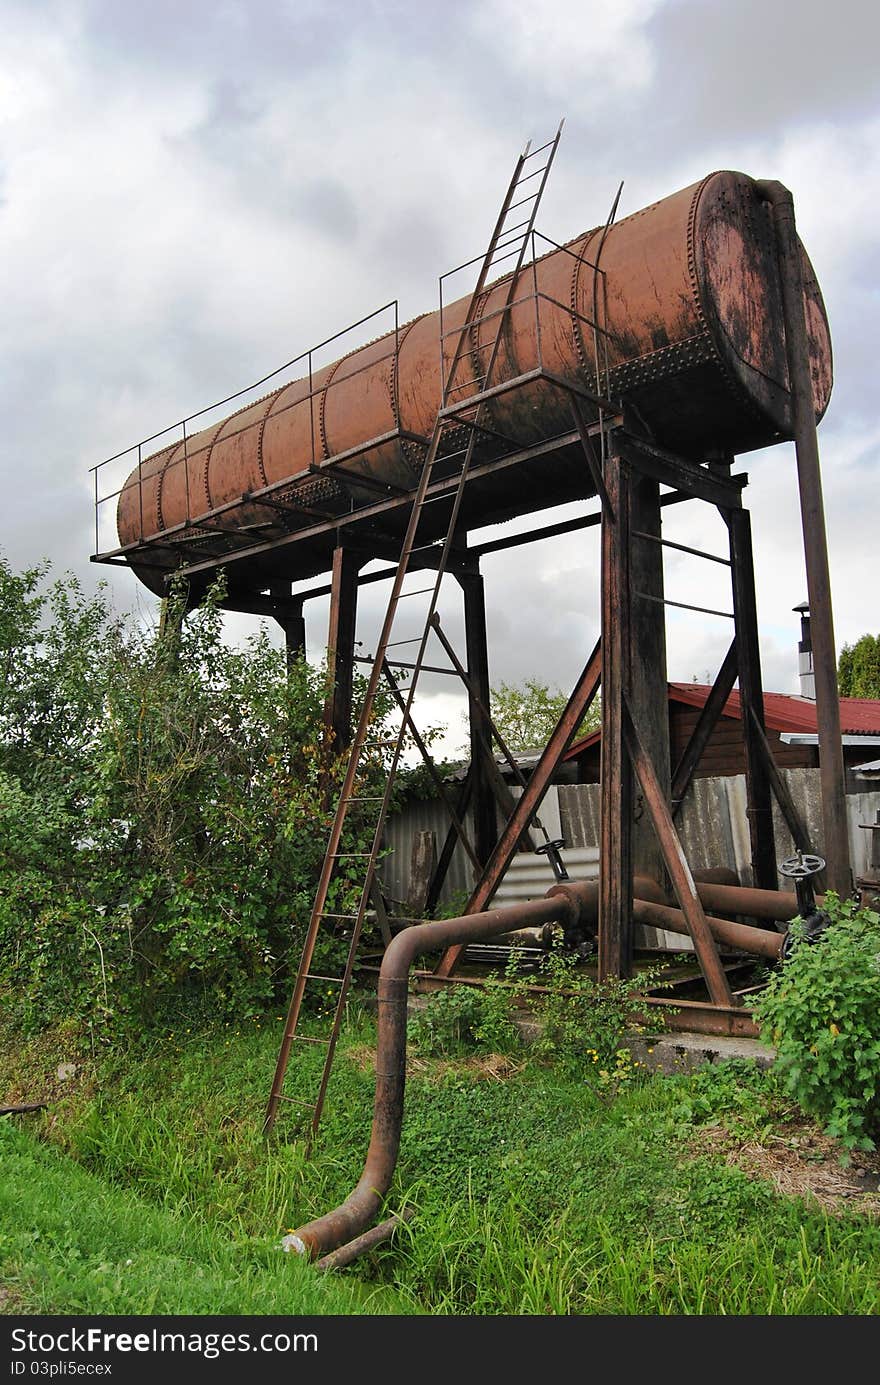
x,y
859,716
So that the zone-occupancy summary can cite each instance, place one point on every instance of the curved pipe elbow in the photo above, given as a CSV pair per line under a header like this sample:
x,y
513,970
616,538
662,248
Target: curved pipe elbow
x,y
360,1208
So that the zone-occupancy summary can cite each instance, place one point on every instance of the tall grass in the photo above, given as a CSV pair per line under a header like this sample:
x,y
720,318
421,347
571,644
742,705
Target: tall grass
x,y
537,1194
71,1243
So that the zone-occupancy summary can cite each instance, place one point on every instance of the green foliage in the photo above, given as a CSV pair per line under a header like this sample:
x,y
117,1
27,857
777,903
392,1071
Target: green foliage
x,y
580,1022
448,1022
583,1021
858,668
165,800
532,1194
526,713
822,1011
470,1017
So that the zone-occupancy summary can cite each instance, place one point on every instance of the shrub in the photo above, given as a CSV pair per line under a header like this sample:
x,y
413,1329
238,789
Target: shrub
x,y
165,801
584,1021
822,1011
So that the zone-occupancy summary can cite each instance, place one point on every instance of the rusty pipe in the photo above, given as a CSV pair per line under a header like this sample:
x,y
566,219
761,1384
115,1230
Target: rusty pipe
x,y
779,905
758,941
350,1219
650,906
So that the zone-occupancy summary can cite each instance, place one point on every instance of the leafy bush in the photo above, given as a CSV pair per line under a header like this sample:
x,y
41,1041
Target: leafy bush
x,y
583,1021
165,800
822,1011
448,1023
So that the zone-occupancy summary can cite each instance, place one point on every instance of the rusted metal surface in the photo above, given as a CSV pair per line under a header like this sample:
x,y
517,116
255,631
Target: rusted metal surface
x,y
650,906
701,1017
677,866
757,941
615,818
760,807
479,697
361,1245
689,295
340,646
353,1216
800,332
527,805
778,905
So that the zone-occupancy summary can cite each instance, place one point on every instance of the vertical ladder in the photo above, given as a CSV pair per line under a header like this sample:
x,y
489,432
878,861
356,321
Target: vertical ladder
x,y
440,470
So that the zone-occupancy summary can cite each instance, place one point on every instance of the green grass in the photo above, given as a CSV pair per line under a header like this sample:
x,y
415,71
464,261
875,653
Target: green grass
x,y
535,1194
72,1243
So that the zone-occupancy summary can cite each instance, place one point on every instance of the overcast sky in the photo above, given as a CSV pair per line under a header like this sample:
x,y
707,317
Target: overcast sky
x,y
194,191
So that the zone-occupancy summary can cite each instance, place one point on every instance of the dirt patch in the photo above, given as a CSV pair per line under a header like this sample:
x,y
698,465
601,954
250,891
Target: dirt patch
x,y
11,1302
800,1162
495,1067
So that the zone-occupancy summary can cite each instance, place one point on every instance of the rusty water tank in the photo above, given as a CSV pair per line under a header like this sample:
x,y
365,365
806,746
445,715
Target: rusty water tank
x,y
696,347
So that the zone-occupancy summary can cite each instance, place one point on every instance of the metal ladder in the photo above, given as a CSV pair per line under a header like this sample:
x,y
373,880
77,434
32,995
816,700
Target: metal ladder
x,y
440,471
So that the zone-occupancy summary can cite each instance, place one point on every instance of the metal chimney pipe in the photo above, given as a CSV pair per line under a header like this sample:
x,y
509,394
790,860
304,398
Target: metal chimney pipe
x,y
806,674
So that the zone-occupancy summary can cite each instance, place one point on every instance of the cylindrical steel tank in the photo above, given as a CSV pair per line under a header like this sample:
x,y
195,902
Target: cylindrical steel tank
x,y
690,297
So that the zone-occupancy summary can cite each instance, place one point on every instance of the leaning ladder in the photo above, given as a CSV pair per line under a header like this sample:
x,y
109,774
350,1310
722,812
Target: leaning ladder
x,y
442,470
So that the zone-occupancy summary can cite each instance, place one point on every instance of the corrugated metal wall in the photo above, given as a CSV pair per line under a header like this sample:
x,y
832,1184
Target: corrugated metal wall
x,y
712,824
714,827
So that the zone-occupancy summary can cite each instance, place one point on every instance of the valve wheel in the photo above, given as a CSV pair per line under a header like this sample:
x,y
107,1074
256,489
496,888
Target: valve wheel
x,y
801,866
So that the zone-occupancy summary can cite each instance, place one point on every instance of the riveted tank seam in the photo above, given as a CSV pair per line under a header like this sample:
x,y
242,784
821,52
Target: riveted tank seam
x,y
733,385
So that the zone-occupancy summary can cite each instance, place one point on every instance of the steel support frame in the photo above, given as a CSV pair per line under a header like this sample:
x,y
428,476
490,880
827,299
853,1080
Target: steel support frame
x,y
341,646
630,461
470,579
751,693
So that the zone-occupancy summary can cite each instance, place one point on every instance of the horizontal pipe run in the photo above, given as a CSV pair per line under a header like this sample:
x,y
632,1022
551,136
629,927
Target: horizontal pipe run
x,y
759,941
781,906
650,907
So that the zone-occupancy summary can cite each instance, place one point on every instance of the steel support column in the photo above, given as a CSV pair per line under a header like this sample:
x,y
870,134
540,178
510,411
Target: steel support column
x,y
485,818
292,622
615,839
831,767
751,692
340,645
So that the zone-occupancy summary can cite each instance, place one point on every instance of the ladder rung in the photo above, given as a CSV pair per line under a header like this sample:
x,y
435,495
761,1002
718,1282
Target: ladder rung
x,y
363,798
313,976
420,591
296,1100
515,238
534,174
474,380
501,258
325,915
522,201
541,147
392,644
307,1039
350,855
509,230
